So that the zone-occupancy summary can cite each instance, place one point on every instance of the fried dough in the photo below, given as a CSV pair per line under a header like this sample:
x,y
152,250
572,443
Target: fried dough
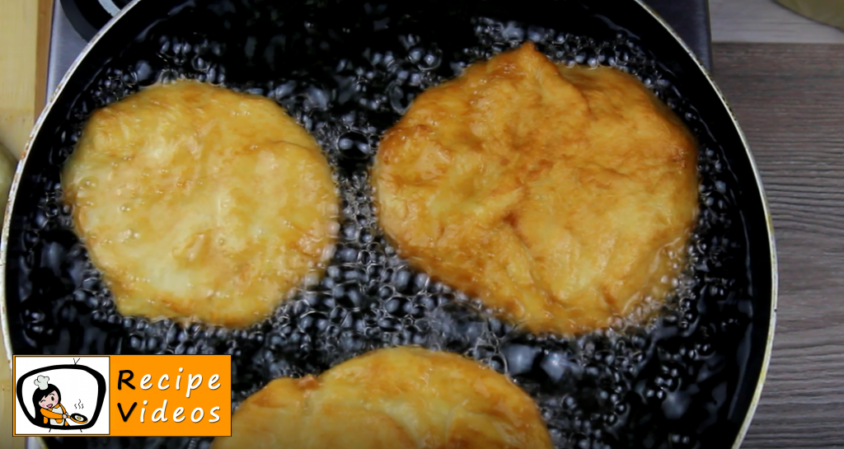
x,y
562,197
391,398
195,201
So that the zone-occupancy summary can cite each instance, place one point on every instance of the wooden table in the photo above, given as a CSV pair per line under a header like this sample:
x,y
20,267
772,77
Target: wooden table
x,y
24,47
784,77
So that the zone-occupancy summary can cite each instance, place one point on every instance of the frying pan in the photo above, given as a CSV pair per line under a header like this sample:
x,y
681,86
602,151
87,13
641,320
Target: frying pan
x,y
78,418
691,379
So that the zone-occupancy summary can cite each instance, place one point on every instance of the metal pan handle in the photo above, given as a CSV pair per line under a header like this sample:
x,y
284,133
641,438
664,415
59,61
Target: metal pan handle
x,y
88,16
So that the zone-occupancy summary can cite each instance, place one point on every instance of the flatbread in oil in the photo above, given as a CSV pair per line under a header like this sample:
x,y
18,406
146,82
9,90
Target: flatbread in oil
x,y
195,201
563,197
399,398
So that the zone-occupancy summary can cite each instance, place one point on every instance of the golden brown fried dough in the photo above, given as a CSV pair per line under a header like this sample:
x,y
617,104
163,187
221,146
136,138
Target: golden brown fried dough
x,y
391,398
559,196
197,201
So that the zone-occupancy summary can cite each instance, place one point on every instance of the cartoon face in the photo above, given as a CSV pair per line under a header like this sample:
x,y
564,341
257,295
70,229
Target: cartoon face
x,y
49,401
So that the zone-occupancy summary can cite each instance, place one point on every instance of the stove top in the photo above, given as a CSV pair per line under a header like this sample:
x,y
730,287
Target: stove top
x,y
76,21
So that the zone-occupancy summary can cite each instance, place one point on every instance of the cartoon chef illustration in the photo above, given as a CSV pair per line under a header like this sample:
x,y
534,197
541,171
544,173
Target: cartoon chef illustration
x,y
47,400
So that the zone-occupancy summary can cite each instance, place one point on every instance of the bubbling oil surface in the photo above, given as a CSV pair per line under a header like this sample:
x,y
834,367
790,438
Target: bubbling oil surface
x,y
347,79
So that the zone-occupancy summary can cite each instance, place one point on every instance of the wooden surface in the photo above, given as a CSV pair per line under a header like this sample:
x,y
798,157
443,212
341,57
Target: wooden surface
x,y
789,99
24,47
24,50
766,21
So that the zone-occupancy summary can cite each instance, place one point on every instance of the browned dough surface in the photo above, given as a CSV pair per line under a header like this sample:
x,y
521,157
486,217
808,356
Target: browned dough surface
x,y
562,197
398,398
200,202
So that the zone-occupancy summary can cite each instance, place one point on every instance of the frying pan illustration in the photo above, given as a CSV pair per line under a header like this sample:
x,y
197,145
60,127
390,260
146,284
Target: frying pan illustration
x,y
78,418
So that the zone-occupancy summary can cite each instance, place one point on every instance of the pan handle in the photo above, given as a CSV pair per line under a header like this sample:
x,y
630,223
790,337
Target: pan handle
x,y
89,16
78,418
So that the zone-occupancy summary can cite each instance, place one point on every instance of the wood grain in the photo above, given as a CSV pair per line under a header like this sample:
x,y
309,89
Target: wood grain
x,y
766,21
789,99
24,52
42,56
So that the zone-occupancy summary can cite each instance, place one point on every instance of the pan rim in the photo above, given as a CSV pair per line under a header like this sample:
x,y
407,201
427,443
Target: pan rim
x,y
13,191
769,344
7,218
4,324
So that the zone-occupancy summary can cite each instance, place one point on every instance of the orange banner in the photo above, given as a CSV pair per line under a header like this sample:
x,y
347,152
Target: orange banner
x,y
123,395
171,395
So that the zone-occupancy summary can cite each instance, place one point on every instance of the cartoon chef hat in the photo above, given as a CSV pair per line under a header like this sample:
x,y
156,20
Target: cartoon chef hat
x,y
42,382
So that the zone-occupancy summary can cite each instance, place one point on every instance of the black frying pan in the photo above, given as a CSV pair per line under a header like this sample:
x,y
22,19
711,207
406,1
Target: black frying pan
x,y
692,379
78,418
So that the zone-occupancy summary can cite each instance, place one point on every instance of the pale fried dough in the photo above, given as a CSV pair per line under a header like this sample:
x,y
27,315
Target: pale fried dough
x,y
392,398
562,197
197,201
